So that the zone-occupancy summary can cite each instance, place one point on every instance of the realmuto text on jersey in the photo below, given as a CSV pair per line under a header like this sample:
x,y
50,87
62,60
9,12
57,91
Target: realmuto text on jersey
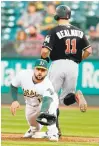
x,y
69,33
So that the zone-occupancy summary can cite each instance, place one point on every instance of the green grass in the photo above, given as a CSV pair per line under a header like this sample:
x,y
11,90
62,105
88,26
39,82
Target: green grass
x,y
22,143
72,123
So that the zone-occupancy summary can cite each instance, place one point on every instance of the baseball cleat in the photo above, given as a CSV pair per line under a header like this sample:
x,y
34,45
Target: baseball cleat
x,y
40,135
53,138
59,132
81,101
30,133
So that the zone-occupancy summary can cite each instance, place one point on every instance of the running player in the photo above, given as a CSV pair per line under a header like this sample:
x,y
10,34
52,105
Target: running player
x,y
67,46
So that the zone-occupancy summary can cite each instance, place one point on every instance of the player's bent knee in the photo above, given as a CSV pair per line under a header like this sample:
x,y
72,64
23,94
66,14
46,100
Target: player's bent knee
x,y
69,99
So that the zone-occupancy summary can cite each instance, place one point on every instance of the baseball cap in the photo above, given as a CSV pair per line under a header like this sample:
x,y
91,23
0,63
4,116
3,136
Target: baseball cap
x,y
40,63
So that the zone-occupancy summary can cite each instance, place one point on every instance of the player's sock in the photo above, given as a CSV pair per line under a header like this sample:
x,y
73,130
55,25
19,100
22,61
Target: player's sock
x,y
57,123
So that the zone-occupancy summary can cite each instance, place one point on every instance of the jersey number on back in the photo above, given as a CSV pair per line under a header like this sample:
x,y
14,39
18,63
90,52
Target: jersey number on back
x,y
70,43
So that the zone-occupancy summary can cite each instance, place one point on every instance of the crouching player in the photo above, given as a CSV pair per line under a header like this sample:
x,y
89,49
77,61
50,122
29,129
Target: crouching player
x,y
40,98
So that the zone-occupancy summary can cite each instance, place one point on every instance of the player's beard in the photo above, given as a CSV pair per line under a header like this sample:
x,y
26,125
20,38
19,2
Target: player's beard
x,y
39,78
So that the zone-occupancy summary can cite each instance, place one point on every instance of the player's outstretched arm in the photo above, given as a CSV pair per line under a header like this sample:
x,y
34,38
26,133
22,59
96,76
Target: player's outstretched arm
x,y
45,118
15,104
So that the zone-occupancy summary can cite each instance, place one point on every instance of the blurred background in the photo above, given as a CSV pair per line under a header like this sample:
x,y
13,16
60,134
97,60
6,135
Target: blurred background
x,y
23,28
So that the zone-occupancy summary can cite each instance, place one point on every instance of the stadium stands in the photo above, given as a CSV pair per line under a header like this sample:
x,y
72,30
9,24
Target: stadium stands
x,y
84,14
10,11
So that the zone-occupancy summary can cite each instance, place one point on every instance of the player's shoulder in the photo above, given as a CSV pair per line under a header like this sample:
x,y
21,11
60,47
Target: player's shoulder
x,y
53,30
48,82
46,79
75,27
25,72
56,28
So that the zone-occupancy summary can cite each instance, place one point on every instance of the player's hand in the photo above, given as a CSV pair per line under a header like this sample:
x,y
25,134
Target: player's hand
x,y
14,106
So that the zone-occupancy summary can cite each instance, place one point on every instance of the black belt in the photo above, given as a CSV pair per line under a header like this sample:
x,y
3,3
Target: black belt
x,y
70,58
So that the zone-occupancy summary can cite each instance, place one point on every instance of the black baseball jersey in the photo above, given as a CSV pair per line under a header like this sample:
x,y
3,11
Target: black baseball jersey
x,y
66,42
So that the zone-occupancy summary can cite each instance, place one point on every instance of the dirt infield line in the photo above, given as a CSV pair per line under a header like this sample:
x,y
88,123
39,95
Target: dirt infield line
x,y
19,137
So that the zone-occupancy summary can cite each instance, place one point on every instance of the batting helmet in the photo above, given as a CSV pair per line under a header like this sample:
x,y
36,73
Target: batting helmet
x,y
62,12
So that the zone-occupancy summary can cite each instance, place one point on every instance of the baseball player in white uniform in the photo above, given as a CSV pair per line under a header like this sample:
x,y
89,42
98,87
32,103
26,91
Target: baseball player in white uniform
x,y
39,97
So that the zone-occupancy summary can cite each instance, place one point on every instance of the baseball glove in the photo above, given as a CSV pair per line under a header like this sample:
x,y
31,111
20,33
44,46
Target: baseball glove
x,y
46,119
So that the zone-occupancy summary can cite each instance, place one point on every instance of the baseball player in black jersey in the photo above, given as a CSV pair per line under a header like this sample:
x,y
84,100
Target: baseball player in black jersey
x,y
66,45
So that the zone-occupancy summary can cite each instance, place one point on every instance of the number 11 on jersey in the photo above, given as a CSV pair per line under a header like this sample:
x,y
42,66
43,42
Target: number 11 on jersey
x,y
70,43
